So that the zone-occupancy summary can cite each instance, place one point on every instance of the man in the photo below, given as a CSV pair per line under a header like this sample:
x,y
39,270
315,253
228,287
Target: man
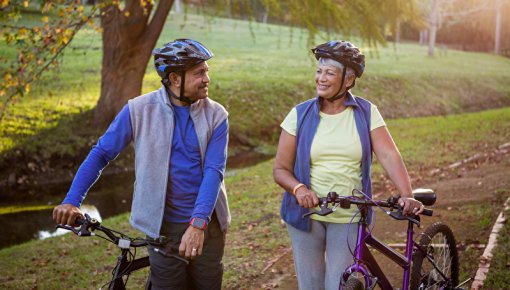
x,y
180,139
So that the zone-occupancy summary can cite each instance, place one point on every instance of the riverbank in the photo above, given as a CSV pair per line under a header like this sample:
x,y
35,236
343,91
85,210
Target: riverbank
x,y
469,198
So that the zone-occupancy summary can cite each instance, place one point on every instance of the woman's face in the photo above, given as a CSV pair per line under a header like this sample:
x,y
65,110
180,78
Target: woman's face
x,y
328,79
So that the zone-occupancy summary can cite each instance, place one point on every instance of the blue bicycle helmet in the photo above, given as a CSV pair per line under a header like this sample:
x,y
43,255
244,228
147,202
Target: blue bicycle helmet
x,y
344,52
179,56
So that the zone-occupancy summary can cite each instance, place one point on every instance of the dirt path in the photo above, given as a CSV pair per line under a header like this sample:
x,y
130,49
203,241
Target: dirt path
x,y
469,198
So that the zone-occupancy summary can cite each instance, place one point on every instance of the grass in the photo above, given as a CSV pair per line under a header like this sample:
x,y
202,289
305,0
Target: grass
x,y
498,277
256,236
257,78
480,219
432,141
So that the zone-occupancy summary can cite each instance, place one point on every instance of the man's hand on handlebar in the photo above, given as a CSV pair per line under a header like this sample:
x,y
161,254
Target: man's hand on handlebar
x,y
66,214
411,206
306,198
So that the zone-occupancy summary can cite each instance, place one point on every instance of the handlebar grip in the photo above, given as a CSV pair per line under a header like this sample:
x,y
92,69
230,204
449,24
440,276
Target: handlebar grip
x,y
427,212
79,221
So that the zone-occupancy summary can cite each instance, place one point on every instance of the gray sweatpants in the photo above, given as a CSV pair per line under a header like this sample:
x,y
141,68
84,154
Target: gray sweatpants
x,y
322,255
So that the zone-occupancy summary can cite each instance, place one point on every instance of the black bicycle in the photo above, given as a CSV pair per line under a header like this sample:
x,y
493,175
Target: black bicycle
x,y
126,261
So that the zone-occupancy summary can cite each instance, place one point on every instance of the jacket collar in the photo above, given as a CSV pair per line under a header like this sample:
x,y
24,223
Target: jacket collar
x,y
165,98
350,101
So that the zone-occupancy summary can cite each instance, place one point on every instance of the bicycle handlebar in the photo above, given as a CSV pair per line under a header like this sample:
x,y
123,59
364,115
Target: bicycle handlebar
x,y
346,201
88,225
388,204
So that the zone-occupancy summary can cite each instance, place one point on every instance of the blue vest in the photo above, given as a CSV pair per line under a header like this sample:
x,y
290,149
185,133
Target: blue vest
x,y
308,119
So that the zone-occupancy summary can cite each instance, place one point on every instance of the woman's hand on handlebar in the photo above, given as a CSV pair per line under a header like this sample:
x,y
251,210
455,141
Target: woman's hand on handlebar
x,y
411,206
66,214
306,198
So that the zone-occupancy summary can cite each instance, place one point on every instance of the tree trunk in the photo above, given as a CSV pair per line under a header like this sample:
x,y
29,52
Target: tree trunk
x,y
433,26
178,6
397,33
120,81
128,40
497,37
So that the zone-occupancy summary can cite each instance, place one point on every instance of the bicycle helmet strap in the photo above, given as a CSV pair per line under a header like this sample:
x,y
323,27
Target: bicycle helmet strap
x,y
338,95
171,93
182,97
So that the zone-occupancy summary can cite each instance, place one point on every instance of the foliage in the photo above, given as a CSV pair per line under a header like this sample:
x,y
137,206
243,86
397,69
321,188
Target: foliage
x,y
258,80
40,44
39,41
475,32
366,19
463,24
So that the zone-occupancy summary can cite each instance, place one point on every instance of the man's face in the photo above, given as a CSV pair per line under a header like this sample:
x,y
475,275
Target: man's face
x,y
197,80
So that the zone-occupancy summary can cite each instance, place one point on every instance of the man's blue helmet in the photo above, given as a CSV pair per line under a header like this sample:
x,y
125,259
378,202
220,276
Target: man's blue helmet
x,y
179,56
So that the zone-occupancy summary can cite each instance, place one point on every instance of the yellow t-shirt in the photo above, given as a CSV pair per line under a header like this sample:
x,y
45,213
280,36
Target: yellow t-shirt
x,y
335,156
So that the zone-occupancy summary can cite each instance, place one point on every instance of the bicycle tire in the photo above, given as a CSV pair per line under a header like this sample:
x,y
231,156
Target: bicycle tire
x,y
438,241
148,284
353,284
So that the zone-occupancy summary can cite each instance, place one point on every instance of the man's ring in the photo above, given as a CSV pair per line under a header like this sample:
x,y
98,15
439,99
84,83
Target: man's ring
x,y
193,250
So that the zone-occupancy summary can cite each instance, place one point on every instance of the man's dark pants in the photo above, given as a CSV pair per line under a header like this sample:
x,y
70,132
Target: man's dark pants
x,y
204,272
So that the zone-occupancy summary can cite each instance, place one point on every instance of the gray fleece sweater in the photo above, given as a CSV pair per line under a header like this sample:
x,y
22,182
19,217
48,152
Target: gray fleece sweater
x,y
152,122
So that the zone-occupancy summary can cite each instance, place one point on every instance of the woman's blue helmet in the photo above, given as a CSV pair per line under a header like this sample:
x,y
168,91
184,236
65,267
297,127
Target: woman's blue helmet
x,y
344,52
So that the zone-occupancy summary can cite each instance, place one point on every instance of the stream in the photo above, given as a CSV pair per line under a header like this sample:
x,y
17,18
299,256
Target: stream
x,y
111,195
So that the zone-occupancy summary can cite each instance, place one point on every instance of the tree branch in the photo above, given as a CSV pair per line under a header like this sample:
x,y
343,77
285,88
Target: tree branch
x,y
157,23
37,74
482,7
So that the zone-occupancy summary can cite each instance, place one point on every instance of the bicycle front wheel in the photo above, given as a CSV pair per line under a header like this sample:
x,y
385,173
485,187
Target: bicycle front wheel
x,y
353,284
438,243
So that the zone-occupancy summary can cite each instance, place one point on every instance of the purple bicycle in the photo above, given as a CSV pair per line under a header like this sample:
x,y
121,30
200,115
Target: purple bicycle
x,y
430,264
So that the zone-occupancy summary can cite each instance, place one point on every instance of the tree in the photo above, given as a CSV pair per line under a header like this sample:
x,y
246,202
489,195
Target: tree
x,y
447,12
131,28
498,9
403,11
39,46
129,35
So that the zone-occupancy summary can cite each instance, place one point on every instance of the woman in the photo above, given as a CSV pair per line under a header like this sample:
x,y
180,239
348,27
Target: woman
x,y
326,145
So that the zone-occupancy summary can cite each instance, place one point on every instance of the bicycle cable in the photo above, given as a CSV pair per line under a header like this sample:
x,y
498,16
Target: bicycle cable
x,y
370,229
349,231
130,256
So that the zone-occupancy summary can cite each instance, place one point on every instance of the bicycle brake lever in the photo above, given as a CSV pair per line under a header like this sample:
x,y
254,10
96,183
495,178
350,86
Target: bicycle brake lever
x,y
399,216
171,255
310,213
69,228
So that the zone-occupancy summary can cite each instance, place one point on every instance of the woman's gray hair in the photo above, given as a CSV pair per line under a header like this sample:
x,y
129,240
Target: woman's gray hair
x,y
334,63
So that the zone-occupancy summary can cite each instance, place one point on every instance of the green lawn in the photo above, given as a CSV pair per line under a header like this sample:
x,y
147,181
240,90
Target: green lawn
x,y
257,234
257,78
498,277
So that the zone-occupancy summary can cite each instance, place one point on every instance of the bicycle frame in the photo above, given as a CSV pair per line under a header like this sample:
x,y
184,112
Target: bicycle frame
x,y
366,264
125,267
